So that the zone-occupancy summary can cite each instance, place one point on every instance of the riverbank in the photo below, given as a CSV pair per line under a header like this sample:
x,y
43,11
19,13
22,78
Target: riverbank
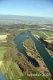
x,y
42,67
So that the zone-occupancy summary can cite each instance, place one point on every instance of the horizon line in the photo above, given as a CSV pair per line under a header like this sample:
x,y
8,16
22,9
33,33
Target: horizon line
x,y
25,15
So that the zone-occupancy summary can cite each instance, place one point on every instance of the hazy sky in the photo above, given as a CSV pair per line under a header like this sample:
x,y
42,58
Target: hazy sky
x,y
43,8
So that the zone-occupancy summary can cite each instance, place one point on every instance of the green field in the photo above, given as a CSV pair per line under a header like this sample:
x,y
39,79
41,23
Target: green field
x,y
11,70
49,33
2,33
2,52
39,33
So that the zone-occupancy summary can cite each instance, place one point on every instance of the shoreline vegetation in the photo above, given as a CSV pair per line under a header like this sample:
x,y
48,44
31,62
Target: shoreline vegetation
x,y
34,53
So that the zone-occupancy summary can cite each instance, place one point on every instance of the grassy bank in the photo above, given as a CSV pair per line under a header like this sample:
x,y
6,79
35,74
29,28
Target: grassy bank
x,y
2,52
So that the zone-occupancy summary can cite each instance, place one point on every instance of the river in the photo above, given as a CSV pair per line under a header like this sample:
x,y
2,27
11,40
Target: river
x,y
19,44
2,76
43,53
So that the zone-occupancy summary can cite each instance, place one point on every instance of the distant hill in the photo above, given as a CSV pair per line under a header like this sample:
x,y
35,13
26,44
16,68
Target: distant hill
x,y
21,19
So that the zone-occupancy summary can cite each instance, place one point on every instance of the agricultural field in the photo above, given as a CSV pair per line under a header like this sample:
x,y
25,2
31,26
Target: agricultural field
x,y
2,47
2,52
